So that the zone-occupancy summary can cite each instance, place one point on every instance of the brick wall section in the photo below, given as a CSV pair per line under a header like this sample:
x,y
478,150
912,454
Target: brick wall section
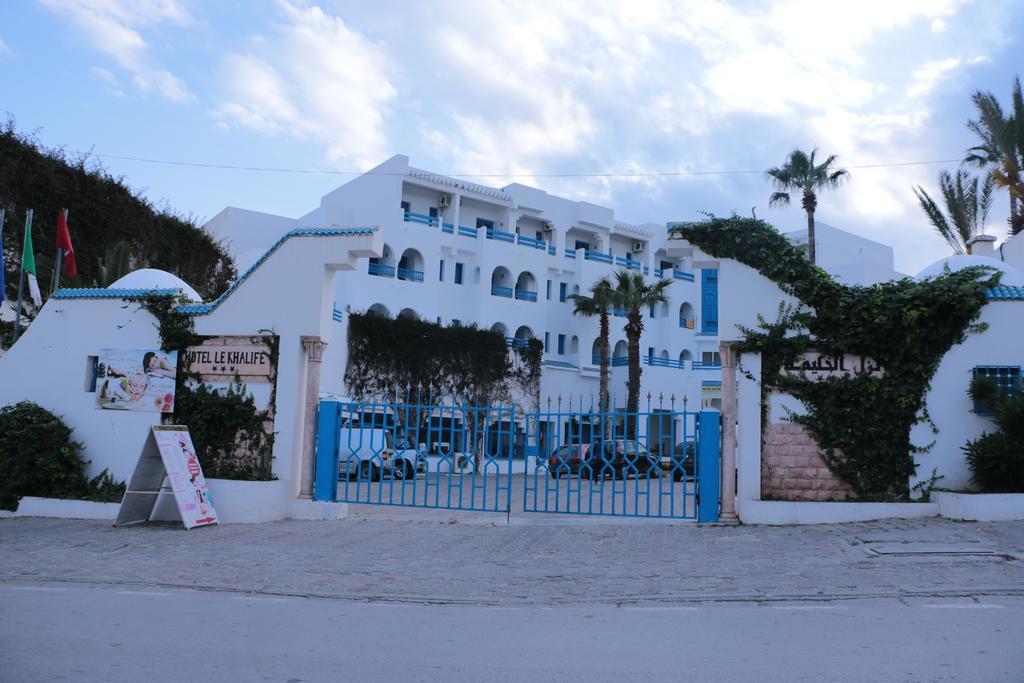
x,y
791,468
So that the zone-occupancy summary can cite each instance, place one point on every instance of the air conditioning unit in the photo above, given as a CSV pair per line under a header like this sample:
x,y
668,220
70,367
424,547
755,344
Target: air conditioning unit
x,y
638,246
445,201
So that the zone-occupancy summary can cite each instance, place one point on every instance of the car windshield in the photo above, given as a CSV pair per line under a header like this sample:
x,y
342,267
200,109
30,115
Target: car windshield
x,y
389,441
631,448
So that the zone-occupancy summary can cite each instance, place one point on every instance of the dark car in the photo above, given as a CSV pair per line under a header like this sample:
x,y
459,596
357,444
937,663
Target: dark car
x,y
567,459
619,459
681,462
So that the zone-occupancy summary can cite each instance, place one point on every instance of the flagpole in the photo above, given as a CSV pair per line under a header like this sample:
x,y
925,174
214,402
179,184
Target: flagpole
x,y
21,279
58,263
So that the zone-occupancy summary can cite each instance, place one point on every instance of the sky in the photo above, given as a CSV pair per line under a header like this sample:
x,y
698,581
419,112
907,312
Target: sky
x,y
709,92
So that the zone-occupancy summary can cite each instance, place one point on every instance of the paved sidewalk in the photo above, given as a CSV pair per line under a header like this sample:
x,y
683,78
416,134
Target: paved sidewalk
x,y
484,561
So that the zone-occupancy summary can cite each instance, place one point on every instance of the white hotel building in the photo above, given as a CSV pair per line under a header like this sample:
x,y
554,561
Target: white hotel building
x,y
507,259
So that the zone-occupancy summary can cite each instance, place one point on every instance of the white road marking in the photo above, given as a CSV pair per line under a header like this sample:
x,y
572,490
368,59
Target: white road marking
x,y
34,588
158,594
261,598
678,608
790,607
968,605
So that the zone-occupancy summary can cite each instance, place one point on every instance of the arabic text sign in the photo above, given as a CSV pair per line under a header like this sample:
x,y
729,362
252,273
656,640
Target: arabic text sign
x,y
185,475
245,361
816,365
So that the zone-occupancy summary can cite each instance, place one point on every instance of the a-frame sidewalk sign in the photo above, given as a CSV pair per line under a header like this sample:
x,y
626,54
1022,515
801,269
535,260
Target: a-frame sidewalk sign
x,y
168,455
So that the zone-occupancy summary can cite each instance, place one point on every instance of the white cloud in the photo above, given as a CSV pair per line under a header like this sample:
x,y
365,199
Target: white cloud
x,y
115,27
3,47
109,80
315,78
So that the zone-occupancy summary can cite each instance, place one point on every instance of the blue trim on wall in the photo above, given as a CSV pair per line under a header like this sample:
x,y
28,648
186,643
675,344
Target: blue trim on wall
x,y
205,309
708,454
1006,293
328,424
101,293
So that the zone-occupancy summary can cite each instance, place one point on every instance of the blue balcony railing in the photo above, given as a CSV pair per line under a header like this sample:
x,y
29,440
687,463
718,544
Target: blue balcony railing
x,y
448,228
410,274
682,275
498,290
620,312
531,242
501,235
619,361
559,364
597,256
467,232
421,218
525,295
552,250
381,270
710,365
663,362
520,343
570,253
628,263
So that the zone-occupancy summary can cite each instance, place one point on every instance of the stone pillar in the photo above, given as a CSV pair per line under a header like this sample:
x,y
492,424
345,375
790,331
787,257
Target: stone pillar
x,y
729,409
314,350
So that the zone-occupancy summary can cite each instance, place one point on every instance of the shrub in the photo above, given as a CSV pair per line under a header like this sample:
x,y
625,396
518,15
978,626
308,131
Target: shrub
x,y
38,458
997,459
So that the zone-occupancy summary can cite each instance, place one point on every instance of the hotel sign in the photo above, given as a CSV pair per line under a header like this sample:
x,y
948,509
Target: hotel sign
x,y
229,360
817,365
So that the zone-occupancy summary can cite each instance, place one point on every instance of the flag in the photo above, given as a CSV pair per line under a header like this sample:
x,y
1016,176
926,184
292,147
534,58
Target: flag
x,y
28,264
64,242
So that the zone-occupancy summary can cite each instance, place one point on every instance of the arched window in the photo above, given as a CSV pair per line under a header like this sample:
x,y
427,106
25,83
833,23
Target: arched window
x,y
526,287
501,282
523,335
595,353
621,354
385,265
379,309
574,348
664,354
500,329
410,266
684,358
686,315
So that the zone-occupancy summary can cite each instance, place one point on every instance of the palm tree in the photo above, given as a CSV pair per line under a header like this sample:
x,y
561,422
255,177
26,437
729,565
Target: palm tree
x,y
966,207
800,173
634,294
599,303
1001,148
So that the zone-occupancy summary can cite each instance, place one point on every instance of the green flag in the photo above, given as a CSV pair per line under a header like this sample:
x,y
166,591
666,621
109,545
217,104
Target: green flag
x,y
28,264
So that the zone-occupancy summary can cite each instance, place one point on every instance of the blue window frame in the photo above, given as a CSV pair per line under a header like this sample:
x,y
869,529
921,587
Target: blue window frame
x,y
547,341
440,273
1007,379
563,291
406,207
484,223
709,301
561,345
458,273
549,290
580,244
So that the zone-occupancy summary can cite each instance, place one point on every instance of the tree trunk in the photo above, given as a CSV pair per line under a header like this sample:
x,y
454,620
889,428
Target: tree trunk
x,y
810,203
634,328
602,397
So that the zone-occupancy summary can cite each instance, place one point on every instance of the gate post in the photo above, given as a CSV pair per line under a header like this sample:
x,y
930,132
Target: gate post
x,y
325,483
708,466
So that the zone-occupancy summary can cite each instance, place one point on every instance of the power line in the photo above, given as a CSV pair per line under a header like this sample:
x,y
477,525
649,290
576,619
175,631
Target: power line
x,y
639,174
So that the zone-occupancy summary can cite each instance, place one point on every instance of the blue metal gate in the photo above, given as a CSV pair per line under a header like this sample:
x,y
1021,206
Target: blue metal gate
x,y
412,454
657,463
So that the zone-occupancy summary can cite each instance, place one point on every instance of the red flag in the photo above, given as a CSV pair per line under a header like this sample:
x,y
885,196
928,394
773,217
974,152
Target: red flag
x,y
64,242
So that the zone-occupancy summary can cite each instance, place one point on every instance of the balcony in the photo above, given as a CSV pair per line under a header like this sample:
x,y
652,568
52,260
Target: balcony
x,y
420,218
531,242
627,263
410,275
381,270
467,232
682,275
709,365
498,290
664,362
501,235
523,294
597,256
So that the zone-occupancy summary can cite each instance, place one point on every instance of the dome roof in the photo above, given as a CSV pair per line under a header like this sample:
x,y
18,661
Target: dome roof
x,y
1011,276
152,278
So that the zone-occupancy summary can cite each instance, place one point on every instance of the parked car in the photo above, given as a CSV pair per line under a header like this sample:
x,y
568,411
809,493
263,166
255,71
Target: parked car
x,y
368,453
619,459
681,462
567,459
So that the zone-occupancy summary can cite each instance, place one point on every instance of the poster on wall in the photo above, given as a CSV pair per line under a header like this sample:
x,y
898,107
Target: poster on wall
x,y
136,379
185,475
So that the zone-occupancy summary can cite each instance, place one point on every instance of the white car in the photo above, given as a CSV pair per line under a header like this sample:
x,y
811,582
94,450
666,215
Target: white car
x,y
367,453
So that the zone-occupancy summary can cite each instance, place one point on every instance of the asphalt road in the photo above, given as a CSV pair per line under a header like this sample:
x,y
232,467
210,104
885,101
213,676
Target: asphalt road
x,y
85,632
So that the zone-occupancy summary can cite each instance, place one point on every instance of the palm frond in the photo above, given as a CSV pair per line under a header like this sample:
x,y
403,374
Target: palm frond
x,y
779,198
938,221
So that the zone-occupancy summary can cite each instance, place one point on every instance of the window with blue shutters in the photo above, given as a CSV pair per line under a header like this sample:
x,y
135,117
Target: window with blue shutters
x,y
549,290
458,273
563,291
1007,380
709,301
561,345
440,272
